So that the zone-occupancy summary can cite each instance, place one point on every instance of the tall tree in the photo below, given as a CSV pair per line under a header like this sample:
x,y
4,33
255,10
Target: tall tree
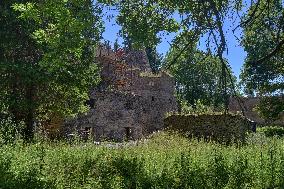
x,y
46,60
144,21
155,59
263,71
198,76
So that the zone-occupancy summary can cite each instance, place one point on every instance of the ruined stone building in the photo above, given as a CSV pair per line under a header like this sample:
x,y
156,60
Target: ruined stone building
x,y
130,101
248,105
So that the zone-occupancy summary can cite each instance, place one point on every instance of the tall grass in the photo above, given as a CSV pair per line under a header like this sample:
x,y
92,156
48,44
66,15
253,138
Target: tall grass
x,y
164,161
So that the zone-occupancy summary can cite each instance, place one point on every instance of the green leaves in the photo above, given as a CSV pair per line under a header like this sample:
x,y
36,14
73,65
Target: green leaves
x,y
48,64
198,75
263,33
260,75
27,10
271,108
143,21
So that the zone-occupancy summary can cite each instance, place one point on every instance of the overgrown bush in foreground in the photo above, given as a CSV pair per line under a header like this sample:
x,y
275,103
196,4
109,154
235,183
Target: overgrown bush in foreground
x,y
162,162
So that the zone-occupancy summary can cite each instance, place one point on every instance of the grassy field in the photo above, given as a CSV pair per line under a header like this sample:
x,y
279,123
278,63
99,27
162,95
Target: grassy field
x,y
163,161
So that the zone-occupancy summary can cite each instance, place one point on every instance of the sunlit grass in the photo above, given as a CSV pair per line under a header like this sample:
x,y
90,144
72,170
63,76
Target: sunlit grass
x,y
162,161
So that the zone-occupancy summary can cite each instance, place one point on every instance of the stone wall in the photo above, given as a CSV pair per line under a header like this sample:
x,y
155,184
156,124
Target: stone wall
x,y
129,102
249,104
217,127
113,112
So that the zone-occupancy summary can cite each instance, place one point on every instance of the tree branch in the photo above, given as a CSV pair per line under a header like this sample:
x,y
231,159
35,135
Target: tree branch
x,y
250,18
182,51
270,55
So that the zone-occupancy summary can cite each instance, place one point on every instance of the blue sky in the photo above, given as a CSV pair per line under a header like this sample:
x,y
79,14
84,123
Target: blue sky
x,y
235,56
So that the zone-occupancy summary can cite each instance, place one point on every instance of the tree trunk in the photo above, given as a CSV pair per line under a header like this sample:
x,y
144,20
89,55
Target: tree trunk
x,y
29,121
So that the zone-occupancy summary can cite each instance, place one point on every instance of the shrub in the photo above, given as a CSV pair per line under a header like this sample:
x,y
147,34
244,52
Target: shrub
x,y
9,131
271,131
198,108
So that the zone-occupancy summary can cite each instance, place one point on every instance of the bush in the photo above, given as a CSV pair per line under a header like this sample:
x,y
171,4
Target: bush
x,y
271,131
9,131
199,108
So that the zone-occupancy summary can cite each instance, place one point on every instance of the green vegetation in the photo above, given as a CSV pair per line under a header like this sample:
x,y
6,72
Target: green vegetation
x,y
198,77
271,131
164,161
47,51
47,58
47,54
271,107
263,71
263,38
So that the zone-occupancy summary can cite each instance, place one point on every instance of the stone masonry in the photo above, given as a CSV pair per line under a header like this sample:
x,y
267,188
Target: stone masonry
x,y
218,127
130,102
249,104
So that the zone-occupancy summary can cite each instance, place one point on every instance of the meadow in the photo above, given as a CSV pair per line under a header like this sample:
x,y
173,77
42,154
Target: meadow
x,y
162,161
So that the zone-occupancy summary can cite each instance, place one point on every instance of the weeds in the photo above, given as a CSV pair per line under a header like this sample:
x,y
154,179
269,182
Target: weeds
x,y
164,161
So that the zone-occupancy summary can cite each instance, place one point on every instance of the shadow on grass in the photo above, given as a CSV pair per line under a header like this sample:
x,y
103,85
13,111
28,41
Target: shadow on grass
x,y
24,180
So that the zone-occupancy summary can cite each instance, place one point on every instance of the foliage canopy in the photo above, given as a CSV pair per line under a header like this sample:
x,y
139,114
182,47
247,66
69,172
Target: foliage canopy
x,y
46,61
47,49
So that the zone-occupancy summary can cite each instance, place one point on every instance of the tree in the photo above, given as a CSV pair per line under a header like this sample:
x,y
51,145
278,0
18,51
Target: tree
x,y
271,107
46,61
144,21
263,71
116,45
198,76
141,21
155,59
